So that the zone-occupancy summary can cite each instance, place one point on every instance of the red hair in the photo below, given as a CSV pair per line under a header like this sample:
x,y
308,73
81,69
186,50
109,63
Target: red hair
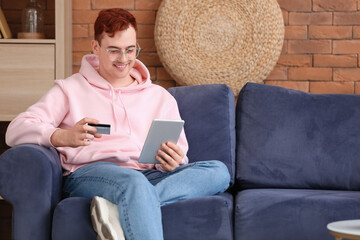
x,y
111,21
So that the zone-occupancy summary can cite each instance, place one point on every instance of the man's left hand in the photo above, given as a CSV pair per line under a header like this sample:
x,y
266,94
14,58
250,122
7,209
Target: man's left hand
x,y
170,156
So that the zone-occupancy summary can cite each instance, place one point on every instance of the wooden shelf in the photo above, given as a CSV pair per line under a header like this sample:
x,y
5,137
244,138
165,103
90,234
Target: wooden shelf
x,y
34,41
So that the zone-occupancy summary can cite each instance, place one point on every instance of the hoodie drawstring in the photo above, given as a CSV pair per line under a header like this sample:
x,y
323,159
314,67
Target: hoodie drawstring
x,y
113,103
126,113
112,93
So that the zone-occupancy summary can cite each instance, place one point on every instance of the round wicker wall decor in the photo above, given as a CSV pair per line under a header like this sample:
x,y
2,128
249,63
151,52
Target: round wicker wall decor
x,y
219,41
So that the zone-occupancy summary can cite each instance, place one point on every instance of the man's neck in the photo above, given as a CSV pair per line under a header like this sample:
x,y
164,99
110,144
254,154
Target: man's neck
x,y
119,82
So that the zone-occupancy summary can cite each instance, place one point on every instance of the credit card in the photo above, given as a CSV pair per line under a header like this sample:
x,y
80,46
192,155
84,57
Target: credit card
x,y
101,128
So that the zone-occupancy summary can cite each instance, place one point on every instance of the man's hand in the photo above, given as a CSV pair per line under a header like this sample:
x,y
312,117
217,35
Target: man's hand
x,y
170,156
76,136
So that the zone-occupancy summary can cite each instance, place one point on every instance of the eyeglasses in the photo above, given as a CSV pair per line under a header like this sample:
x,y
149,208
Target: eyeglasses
x,y
131,53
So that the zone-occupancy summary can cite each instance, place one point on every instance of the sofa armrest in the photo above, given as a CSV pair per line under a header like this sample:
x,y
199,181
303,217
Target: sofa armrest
x,y
31,179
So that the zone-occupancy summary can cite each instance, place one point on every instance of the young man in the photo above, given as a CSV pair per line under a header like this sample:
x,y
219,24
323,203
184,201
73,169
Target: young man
x,y
114,87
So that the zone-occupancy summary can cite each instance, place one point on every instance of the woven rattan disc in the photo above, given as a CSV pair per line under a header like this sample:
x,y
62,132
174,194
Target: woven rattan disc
x,y
219,41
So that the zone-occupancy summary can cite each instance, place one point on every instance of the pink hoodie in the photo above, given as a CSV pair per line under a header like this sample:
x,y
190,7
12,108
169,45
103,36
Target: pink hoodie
x,y
129,110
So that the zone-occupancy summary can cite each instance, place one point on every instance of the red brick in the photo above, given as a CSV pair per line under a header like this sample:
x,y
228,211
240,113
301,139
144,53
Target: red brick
x,y
144,17
309,46
278,73
295,5
84,16
80,30
147,45
309,73
357,88
162,74
152,71
330,32
147,5
91,30
334,5
346,18
285,17
347,74
335,60
356,32
77,57
75,69
81,4
295,32
346,46
103,4
332,87
285,47
295,60
319,18
296,85
150,59
81,45
145,31
165,84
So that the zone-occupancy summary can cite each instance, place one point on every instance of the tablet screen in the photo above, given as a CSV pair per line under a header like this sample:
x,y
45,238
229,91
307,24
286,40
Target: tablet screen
x,y
161,131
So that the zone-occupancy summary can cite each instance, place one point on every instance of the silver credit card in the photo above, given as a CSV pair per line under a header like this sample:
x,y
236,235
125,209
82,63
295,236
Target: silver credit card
x,y
101,128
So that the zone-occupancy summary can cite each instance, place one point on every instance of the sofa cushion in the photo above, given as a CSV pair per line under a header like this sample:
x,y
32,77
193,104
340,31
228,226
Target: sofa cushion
x,y
292,139
295,214
72,220
209,114
207,218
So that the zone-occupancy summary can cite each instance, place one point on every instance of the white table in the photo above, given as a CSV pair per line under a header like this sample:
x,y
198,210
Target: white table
x,y
349,229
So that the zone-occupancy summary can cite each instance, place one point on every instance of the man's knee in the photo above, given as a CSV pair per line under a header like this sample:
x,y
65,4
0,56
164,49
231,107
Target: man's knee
x,y
219,173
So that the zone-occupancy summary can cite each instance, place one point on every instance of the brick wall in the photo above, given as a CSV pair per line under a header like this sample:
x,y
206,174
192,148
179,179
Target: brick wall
x,y
320,53
321,47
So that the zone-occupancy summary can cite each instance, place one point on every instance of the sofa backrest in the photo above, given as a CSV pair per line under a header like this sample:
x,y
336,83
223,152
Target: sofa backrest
x,y
291,139
209,114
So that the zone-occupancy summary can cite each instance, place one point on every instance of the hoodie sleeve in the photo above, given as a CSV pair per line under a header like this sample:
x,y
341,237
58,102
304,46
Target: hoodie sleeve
x,y
39,121
172,112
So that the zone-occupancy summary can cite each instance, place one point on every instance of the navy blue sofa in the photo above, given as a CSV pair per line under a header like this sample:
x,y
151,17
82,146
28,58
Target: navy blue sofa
x,y
31,179
294,168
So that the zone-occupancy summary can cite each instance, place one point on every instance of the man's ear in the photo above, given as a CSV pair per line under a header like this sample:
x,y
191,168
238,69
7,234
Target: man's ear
x,y
95,47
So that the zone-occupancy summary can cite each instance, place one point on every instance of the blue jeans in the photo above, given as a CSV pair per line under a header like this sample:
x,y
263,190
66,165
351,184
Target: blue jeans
x,y
140,194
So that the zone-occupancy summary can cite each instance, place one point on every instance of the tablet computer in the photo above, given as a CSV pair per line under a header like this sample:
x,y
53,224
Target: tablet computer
x,y
161,131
